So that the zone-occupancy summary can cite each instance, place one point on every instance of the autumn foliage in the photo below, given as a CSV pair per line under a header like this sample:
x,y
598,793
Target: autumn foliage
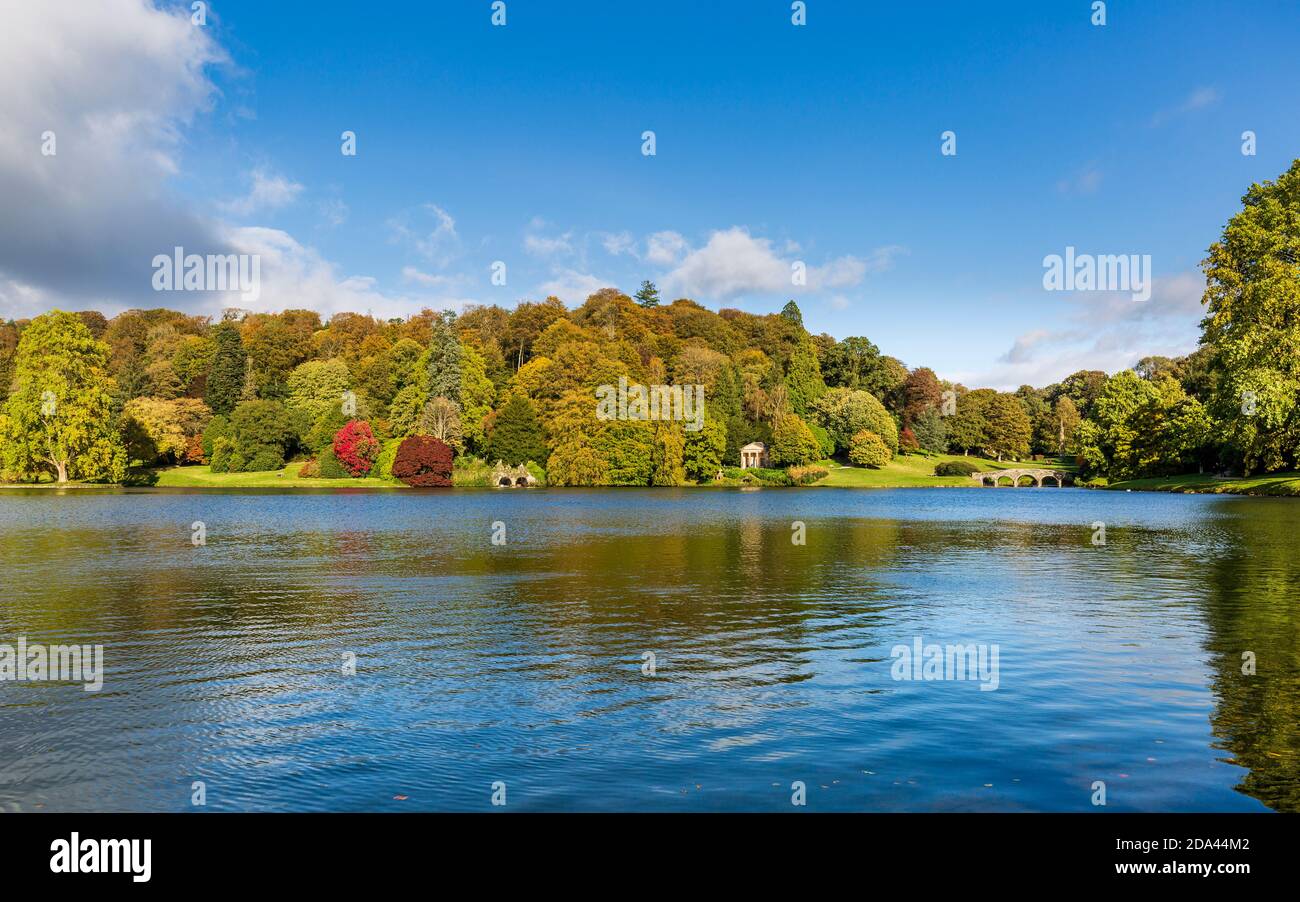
x,y
423,461
356,448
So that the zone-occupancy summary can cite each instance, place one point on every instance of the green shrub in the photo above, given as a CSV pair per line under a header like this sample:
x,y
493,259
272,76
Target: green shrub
x,y
538,473
219,455
823,439
470,471
264,460
868,450
769,476
328,465
260,434
387,454
327,426
956,468
218,427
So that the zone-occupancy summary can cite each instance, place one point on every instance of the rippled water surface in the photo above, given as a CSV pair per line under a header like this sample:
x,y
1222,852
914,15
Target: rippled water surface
x,y
523,663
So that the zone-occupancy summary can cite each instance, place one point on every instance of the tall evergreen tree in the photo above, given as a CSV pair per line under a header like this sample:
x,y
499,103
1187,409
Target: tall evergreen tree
x,y
444,360
648,296
226,376
517,436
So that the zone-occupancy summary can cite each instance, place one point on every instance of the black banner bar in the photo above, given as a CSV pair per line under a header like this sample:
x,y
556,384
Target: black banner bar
x,y
336,851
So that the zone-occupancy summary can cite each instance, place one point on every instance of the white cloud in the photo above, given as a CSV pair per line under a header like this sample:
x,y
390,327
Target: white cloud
x,y
456,282
544,246
1105,330
333,212
734,262
665,248
1086,181
21,301
439,244
1199,99
268,192
116,81
573,287
618,243
297,276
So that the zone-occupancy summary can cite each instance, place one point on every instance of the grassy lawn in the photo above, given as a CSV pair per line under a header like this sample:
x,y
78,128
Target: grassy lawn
x,y
1272,484
202,477
918,470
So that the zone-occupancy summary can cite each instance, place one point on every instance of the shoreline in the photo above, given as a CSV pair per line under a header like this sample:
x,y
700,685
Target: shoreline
x,y
905,473
1274,485
909,471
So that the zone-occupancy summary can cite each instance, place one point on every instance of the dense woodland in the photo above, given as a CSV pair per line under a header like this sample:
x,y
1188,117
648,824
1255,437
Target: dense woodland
x,y
90,398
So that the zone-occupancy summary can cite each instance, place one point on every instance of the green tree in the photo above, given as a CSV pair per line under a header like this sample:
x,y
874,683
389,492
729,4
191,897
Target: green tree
x,y
318,387
259,435
1008,429
226,376
866,449
793,444
667,453
58,418
1252,295
1143,428
516,435
791,313
931,431
1065,420
275,345
443,360
803,378
648,296
968,427
1083,388
705,449
628,447
853,362
846,412
477,395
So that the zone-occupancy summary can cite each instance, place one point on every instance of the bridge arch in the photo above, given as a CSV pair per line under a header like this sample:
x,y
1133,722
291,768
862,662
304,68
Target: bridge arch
x,y
1016,476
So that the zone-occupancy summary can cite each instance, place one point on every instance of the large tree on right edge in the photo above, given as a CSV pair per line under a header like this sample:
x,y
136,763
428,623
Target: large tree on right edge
x,y
1252,293
59,418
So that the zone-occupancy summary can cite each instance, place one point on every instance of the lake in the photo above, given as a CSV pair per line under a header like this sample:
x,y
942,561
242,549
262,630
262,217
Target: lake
x,y
774,663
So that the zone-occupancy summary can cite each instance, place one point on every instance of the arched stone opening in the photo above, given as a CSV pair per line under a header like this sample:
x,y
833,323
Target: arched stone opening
x,y
504,480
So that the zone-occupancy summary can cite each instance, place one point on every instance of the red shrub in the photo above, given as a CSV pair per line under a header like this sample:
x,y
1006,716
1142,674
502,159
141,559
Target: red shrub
x,y
423,460
356,448
194,450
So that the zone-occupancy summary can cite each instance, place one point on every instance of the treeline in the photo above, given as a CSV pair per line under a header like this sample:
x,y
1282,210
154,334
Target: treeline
x,y
86,397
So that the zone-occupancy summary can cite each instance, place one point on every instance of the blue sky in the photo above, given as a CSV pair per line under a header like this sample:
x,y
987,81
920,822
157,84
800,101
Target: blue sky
x,y
774,143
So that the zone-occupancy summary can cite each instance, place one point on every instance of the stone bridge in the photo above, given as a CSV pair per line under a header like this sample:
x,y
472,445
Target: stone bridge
x,y
994,477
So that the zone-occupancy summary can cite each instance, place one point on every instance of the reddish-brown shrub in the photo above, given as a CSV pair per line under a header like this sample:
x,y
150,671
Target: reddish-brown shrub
x,y
423,460
907,442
